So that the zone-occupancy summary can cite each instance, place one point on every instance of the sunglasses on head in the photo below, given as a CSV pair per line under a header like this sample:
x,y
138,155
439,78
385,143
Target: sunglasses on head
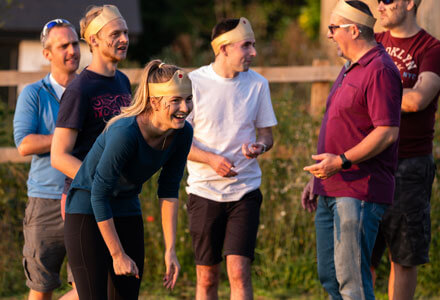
x,y
49,25
385,1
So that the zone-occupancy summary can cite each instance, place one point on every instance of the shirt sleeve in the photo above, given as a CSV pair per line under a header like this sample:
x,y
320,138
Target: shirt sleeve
x,y
384,98
431,60
26,116
73,109
172,170
265,115
119,147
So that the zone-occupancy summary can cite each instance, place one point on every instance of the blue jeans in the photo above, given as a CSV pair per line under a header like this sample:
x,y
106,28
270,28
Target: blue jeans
x,y
346,229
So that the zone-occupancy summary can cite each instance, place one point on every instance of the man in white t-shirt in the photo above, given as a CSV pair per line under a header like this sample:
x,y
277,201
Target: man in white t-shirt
x,y
232,121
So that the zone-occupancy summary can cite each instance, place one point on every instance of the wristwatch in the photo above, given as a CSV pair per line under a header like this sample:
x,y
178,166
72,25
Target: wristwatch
x,y
346,164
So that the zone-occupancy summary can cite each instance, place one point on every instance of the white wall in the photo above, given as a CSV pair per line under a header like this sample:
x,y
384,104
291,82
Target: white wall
x,y
30,57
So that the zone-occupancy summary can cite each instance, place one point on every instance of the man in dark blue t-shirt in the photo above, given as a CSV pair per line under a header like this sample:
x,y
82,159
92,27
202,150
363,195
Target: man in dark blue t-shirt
x,y
96,95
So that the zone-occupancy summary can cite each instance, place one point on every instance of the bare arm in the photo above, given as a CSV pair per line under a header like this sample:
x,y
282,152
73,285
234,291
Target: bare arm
x,y
169,208
62,145
221,165
35,144
419,97
263,144
122,263
374,143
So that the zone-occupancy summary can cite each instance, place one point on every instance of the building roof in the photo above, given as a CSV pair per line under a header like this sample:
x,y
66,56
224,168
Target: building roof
x,y
27,17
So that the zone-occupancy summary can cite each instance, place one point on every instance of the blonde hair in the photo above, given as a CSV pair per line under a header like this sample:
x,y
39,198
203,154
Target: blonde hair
x,y
154,72
92,12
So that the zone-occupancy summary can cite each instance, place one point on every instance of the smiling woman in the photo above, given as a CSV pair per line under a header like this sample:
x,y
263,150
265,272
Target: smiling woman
x,y
104,227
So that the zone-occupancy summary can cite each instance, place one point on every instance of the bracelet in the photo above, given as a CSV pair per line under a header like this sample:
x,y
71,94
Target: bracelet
x,y
264,147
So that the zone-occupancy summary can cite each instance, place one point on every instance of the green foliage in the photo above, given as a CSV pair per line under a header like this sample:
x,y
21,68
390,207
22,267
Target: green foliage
x,y
12,204
6,117
310,17
182,36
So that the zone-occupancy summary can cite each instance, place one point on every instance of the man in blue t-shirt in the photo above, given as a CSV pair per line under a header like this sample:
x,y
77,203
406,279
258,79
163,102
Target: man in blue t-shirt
x,y
34,124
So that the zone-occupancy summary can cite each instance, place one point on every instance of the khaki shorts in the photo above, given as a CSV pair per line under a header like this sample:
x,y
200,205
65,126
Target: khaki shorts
x,y
43,250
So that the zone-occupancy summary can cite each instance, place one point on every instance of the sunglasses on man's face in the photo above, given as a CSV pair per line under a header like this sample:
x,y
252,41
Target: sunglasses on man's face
x,y
332,28
385,1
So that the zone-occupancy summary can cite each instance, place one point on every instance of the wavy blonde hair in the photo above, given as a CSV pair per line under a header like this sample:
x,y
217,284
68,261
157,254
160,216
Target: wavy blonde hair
x,y
154,72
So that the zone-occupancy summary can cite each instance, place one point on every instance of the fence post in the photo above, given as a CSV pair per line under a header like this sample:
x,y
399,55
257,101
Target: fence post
x,y
320,91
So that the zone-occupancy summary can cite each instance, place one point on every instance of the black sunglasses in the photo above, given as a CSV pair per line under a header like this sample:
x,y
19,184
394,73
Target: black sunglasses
x,y
332,28
385,1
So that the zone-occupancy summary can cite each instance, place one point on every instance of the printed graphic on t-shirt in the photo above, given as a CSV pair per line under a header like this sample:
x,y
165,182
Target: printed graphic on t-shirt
x,y
107,106
405,63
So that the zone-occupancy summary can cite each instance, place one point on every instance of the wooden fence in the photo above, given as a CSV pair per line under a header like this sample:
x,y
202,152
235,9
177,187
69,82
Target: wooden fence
x,y
320,74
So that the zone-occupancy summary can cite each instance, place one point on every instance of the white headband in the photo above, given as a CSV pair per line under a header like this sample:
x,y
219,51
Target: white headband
x,y
242,31
108,14
347,11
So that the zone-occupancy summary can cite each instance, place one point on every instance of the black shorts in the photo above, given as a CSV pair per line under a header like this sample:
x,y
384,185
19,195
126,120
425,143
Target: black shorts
x,y
406,225
231,226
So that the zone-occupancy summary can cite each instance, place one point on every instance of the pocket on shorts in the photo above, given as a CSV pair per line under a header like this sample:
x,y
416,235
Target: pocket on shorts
x,y
419,228
30,207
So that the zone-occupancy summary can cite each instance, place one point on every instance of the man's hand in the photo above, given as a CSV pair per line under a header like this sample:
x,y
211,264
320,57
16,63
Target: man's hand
x,y
308,199
328,166
252,150
221,165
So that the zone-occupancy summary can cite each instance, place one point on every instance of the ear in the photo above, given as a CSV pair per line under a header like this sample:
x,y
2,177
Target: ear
x,y
355,32
93,40
47,54
410,5
155,103
223,50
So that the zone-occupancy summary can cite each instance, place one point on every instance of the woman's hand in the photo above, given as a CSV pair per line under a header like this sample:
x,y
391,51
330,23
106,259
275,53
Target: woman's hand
x,y
172,269
124,265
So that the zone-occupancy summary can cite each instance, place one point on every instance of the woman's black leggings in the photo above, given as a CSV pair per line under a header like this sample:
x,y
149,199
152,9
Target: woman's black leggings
x,y
90,260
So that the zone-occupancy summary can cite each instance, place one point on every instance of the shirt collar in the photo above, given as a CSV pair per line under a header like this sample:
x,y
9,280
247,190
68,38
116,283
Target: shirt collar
x,y
366,58
58,88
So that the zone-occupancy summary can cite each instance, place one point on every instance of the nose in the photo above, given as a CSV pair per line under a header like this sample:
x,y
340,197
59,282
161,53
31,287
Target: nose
x,y
253,51
124,37
380,6
329,34
73,49
185,106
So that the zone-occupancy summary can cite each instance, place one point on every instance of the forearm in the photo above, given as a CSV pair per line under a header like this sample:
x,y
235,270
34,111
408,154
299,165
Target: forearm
x,y
412,101
111,238
264,136
64,140
35,144
66,163
373,144
422,93
198,155
169,208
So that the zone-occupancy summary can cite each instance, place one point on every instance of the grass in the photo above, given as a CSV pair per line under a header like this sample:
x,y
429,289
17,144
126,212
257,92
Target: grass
x,y
285,263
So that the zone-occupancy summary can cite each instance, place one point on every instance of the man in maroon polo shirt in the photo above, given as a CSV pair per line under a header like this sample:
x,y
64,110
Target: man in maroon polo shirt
x,y
406,226
357,155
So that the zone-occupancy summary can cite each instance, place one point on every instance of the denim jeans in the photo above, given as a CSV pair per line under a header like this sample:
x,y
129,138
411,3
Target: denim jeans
x,y
346,229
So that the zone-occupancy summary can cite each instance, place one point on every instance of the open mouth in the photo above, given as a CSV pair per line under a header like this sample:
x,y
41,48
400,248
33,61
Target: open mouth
x,y
180,116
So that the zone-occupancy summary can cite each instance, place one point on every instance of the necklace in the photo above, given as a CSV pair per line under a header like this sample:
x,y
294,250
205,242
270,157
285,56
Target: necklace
x,y
163,144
